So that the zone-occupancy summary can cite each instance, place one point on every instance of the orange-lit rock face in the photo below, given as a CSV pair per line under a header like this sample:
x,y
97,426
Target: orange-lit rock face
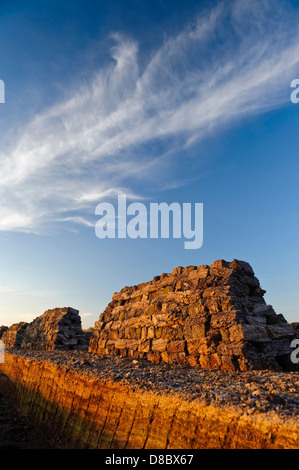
x,y
86,407
210,316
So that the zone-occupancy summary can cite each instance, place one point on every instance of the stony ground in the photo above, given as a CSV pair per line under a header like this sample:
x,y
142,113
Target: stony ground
x,y
15,431
253,391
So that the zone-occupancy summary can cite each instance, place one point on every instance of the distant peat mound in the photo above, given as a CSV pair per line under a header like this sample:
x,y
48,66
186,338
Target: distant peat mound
x,y
59,328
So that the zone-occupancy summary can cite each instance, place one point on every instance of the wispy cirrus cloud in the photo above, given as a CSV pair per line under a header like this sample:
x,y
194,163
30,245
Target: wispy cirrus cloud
x,y
9,289
234,61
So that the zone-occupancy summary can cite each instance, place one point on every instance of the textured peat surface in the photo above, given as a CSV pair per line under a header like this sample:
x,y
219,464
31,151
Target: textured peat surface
x,y
252,391
81,400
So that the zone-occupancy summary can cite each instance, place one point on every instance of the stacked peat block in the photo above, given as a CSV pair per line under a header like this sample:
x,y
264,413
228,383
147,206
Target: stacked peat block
x,y
296,326
13,336
59,328
209,316
2,330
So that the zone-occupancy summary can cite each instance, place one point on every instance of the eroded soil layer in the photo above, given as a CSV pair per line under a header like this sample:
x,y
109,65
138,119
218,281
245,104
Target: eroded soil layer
x,y
83,401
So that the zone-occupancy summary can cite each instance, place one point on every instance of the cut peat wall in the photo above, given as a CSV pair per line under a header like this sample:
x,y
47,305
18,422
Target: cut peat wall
x,y
75,409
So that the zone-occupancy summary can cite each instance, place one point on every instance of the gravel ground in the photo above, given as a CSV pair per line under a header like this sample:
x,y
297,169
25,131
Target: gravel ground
x,y
253,391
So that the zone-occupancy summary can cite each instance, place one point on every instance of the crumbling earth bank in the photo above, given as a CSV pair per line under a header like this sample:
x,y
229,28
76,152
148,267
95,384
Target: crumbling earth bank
x,y
106,402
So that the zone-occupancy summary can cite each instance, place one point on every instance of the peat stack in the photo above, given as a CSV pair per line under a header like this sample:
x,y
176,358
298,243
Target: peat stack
x,y
208,316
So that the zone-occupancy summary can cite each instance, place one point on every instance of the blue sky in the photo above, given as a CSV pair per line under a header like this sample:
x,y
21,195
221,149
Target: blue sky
x,y
164,101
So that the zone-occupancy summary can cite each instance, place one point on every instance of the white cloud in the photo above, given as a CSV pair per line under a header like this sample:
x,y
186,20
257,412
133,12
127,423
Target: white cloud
x,y
85,315
7,289
235,61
